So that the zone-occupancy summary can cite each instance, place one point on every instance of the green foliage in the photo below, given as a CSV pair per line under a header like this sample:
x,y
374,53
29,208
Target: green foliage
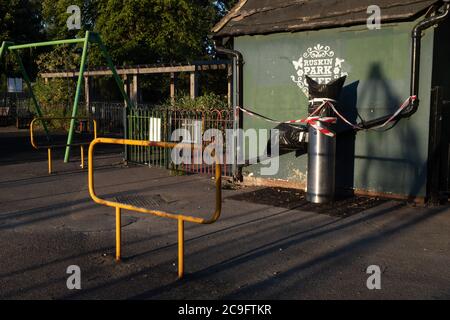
x,y
139,31
20,20
206,102
60,58
148,31
54,14
55,98
135,32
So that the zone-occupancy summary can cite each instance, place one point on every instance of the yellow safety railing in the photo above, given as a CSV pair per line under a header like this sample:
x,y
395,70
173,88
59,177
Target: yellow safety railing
x,y
121,206
50,147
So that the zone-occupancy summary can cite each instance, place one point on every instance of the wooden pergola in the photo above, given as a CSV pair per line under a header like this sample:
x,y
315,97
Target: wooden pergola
x,y
130,75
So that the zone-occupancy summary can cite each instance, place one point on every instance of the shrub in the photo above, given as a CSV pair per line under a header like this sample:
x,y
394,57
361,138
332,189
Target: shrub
x,y
209,101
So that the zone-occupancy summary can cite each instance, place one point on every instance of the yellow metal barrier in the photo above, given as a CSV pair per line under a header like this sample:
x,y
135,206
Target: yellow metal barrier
x,y
50,147
121,206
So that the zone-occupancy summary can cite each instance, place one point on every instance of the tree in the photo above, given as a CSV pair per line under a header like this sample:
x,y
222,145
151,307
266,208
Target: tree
x,y
135,32
140,31
148,31
54,13
20,22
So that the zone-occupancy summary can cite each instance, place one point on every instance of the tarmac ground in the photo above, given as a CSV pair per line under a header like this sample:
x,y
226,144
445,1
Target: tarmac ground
x,y
268,244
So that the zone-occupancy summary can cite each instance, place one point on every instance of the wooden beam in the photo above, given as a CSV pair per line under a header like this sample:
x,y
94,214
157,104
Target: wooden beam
x,y
139,71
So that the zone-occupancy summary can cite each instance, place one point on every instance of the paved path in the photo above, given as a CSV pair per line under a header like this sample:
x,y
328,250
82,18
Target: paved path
x,y
48,223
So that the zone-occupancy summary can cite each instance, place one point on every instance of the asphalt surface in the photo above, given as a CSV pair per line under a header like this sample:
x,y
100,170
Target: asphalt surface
x,y
257,250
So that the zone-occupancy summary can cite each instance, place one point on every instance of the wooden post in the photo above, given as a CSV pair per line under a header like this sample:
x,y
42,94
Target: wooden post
x,y
135,90
194,84
46,81
172,88
126,86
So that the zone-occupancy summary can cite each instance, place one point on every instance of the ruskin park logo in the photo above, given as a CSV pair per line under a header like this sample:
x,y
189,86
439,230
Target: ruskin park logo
x,y
321,64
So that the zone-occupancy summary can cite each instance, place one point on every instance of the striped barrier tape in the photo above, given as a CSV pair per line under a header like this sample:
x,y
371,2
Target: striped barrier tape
x,y
312,120
400,110
357,127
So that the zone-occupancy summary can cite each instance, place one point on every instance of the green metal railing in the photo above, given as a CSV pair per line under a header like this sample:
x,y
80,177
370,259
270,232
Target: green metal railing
x,y
152,125
156,124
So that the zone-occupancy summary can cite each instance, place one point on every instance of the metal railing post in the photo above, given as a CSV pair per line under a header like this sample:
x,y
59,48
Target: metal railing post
x,y
82,156
118,234
180,218
180,248
49,154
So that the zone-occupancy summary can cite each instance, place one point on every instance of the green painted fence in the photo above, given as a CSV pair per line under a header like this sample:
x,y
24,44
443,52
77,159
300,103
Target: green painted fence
x,y
158,124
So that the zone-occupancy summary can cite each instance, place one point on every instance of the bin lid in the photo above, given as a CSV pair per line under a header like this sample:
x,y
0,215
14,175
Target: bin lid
x,y
252,17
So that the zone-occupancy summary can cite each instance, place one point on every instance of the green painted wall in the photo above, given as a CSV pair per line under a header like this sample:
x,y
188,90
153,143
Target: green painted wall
x,y
378,66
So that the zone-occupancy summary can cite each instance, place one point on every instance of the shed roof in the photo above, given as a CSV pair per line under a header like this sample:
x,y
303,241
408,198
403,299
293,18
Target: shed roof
x,y
252,17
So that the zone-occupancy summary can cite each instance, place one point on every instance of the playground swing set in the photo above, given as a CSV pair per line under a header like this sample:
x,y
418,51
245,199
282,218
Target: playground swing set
x,y
89,38
93,38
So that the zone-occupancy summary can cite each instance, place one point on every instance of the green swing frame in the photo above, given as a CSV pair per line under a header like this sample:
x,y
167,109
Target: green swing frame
x,y
89,38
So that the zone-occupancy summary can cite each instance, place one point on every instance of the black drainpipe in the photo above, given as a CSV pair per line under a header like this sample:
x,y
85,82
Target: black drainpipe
x,y
238,100
415,66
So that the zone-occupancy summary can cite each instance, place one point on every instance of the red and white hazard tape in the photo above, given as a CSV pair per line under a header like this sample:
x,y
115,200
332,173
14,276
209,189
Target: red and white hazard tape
x,y
314,120
357,127
400,110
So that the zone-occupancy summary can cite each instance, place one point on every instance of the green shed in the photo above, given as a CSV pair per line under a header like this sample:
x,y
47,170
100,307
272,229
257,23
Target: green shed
x,y
276,43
